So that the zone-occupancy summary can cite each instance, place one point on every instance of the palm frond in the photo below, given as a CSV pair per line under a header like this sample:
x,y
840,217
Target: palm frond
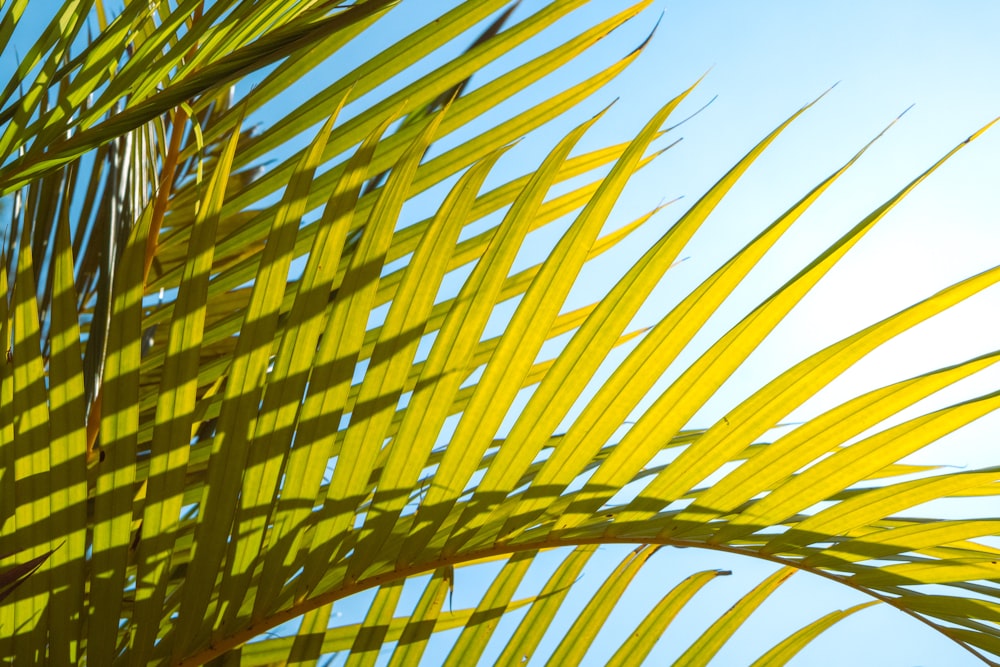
x,y
250,373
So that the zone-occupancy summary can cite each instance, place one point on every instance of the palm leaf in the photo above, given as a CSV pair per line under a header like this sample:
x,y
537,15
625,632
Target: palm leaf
x,y
250,374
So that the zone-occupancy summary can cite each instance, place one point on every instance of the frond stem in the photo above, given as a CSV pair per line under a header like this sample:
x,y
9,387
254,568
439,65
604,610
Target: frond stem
x,y
285,615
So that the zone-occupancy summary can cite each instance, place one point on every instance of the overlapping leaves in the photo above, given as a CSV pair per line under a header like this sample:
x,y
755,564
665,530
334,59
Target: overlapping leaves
x,y
232,398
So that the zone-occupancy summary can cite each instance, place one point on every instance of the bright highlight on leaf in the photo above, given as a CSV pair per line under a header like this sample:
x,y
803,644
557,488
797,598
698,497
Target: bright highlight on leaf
x,y
270,360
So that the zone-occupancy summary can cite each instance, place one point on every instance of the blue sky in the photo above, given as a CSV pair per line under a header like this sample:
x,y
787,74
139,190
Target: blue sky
x,y
770,57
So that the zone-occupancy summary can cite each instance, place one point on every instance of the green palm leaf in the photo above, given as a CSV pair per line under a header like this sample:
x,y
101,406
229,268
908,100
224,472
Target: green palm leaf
x,y
251,374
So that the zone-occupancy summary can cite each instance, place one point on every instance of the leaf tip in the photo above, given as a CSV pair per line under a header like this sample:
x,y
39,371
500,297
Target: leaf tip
x,y
649,37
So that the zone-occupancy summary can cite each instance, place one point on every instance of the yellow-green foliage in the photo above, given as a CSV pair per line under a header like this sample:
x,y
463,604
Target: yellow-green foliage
x,y
197,448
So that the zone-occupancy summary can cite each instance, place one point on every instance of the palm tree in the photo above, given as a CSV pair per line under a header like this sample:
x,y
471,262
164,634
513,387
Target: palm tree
x,y
245,381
